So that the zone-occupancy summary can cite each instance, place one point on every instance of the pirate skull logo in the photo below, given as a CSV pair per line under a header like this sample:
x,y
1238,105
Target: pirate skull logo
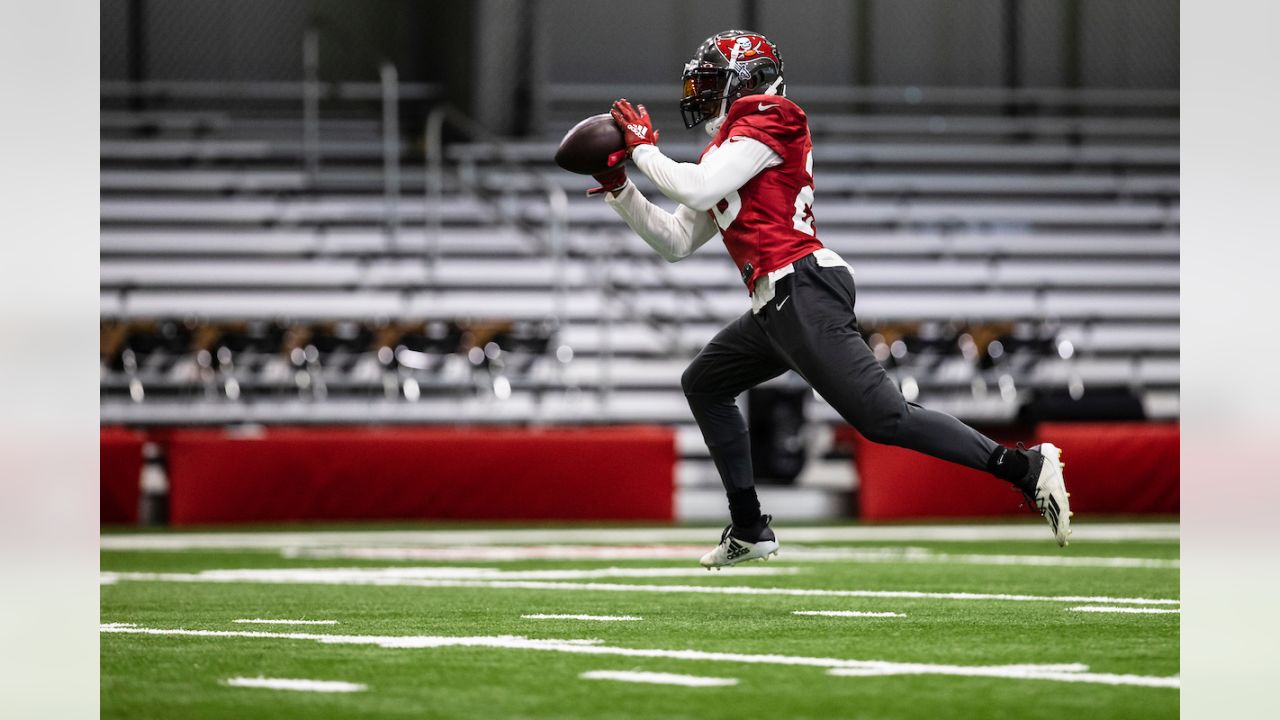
x,y
744,46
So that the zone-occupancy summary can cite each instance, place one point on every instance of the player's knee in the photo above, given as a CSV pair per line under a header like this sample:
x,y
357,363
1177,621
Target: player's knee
x,y
689,379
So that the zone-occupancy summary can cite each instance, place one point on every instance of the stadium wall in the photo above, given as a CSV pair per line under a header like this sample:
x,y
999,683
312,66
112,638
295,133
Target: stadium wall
x,y
338,474
120,453
592,474
1113,469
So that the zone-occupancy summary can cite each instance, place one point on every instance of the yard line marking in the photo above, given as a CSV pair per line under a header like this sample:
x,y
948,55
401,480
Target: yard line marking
x,y
264,621
408,575
593,647
503,553
795,553
627,536
1063,667
924,555
1013,669
1140,611
343,576
846,613
658,678
326,686
1017,674
602,618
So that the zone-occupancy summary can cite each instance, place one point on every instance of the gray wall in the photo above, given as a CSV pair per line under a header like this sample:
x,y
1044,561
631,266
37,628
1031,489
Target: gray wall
x,y
1120,43
496,55
262,39
628,42
1133,43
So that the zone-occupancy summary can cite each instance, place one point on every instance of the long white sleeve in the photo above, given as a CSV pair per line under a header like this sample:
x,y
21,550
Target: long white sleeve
x,y
704,184
673,236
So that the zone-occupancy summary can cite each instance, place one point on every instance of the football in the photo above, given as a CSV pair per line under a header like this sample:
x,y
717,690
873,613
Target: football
x,y
587,146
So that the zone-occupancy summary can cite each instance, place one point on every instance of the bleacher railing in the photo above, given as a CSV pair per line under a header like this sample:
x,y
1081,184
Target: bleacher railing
x,y
519,177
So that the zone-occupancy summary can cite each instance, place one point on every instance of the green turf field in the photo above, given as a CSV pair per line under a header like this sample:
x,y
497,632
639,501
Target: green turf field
x,y
431,624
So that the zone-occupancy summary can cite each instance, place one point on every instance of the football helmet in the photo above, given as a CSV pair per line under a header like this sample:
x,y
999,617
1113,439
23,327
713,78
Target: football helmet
x,y
725,67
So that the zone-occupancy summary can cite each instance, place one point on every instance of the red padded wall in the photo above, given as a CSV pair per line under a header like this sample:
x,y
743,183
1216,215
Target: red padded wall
x,y
119,474
287,474
1112,468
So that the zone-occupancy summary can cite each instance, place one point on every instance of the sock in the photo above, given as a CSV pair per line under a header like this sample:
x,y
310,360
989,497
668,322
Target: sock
x,y
1008,464
744,508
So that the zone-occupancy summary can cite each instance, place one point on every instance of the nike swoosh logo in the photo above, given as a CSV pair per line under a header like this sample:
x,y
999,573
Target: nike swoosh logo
x,y
784,302
764,107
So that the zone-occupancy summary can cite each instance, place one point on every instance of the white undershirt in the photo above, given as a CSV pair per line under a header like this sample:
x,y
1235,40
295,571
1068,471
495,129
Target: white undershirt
x,y
697,188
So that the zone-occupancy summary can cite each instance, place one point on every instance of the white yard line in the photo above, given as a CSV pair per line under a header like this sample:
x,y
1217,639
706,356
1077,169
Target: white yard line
x,y
1017,674
1007,670
602,618
592,647
407,575
848,613
357,576
266,621
1137,611
657,678
324,686
626,536
793,553
922,555
488,553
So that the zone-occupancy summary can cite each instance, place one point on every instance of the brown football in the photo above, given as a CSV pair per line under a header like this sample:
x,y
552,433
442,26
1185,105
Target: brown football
x,y
587,146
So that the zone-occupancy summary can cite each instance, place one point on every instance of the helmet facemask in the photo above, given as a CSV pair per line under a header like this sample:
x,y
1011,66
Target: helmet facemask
x,y
705,91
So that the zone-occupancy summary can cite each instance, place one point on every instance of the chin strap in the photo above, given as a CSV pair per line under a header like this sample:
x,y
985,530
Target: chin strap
x,y
773,88
713,125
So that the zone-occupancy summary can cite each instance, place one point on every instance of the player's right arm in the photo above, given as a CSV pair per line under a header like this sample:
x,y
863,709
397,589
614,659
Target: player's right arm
x,y
674,236
696,185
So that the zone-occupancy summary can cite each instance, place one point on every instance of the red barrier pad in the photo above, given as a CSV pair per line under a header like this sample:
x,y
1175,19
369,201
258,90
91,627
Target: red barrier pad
x,y
291,474
1111,468
119,475
1119,467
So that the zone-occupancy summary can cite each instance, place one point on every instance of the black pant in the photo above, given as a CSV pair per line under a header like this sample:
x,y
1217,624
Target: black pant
x,y
810,327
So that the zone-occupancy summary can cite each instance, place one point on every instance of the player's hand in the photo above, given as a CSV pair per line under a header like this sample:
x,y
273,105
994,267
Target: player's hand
x,y
637,128
613,179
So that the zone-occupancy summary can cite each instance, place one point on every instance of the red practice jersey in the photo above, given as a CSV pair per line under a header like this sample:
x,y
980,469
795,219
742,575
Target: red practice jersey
x,y
768,222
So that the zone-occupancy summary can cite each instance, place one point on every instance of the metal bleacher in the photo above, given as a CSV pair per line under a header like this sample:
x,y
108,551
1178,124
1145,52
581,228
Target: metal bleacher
x,y
1043,222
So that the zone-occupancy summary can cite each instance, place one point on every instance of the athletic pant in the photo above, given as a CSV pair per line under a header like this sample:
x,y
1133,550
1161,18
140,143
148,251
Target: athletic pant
x,y
810,327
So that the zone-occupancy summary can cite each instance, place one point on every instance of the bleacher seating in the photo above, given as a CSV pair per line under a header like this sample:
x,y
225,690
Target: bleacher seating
x,y
1053,224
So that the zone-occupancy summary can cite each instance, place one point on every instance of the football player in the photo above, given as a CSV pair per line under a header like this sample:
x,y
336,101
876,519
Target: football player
x,y
754,186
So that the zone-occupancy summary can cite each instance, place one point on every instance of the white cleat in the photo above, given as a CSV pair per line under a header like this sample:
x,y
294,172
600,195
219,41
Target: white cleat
x,y
732,550
1051,496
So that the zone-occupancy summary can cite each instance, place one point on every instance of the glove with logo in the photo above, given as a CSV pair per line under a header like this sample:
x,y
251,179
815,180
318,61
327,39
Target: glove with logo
x,y
637,128
613,179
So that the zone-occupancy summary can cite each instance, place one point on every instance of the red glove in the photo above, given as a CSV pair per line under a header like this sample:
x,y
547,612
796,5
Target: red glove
x,y
614,178
637,128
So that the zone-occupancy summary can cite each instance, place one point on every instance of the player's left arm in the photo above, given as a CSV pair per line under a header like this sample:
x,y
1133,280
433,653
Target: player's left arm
x,y
696,185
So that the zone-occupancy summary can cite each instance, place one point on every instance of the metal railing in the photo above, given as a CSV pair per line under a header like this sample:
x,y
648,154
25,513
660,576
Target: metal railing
x,y
389,95
520,178
557,219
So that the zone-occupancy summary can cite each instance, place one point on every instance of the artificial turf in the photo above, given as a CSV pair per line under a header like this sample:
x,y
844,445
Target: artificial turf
x,y
165,676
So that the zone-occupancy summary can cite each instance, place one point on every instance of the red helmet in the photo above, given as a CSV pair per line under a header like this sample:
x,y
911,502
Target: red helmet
x,y
725,67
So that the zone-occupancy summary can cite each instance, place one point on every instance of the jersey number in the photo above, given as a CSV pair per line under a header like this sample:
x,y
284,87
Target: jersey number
x,y
726,211
803,219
